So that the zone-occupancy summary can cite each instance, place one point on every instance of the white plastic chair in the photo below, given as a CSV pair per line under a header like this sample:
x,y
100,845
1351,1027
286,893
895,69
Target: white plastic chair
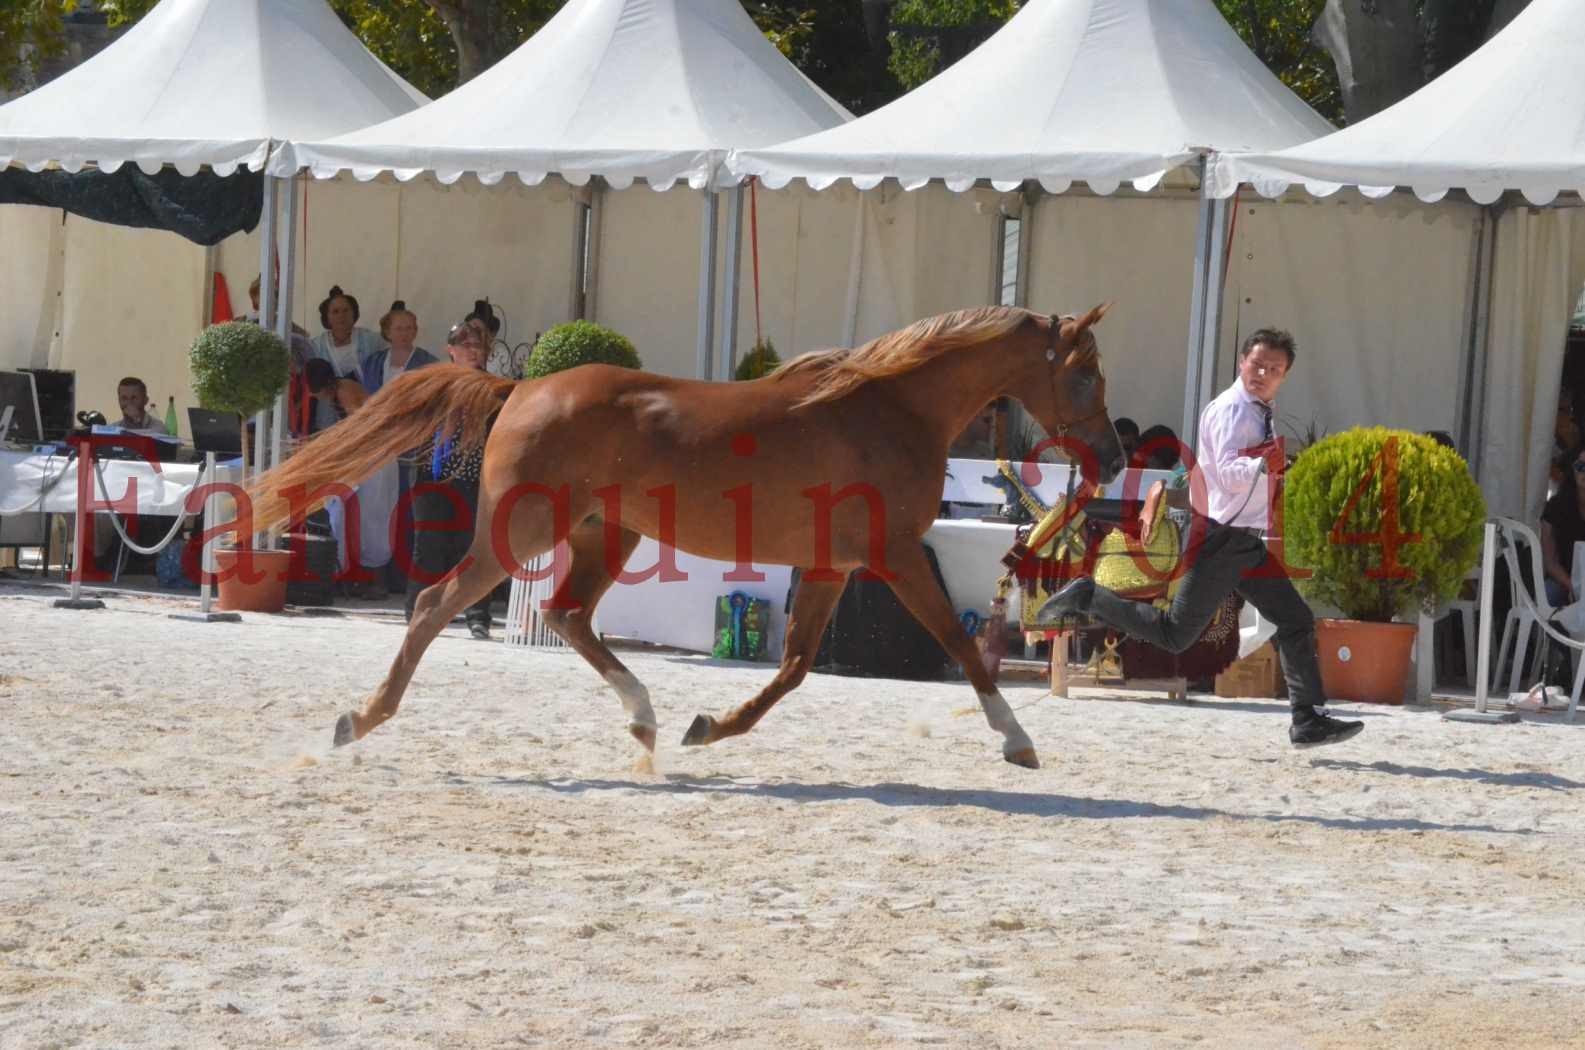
x,y
1528,611
1467,611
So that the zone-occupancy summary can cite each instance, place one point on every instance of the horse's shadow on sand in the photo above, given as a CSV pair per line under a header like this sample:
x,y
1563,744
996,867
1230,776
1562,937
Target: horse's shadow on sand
x,y
1534,779
1012,803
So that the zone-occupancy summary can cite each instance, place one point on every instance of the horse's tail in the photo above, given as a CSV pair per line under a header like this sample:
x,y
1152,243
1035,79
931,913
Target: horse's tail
x,y
405,414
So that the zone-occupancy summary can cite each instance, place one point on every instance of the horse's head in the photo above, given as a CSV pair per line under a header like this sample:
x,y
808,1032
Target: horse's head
x,y
1066,393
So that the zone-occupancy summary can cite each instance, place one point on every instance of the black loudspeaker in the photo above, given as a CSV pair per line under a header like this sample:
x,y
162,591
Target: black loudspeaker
x,y
872,633
57,401
314,563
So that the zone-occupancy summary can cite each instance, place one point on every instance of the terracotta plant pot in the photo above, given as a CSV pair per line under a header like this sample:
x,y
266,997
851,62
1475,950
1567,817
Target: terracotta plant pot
x,y
264,595
1362,661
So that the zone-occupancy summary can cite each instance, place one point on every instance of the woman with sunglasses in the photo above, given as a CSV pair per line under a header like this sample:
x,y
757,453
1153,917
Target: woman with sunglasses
x,y
448,480
1563,525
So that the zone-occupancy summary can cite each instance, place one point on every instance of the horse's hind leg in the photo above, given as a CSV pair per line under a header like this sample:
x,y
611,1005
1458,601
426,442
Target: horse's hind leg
x,y
572,617
812,607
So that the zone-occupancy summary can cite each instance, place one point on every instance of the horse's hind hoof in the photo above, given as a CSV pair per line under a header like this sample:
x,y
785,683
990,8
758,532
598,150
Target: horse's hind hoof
x,y
1025,757
345,733
701,732
645,735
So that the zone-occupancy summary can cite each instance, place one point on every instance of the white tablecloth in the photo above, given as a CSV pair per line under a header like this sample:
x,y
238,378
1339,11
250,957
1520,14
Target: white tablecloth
x,y
25,476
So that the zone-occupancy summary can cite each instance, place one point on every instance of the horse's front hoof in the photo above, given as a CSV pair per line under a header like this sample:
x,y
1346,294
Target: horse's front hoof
x,y
701,732
643,734
1025,757
345,732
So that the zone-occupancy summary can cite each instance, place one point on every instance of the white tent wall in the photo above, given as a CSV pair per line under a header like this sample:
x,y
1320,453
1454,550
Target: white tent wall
x,y
1376,295
1138,252
1540,271
648,283
132,301
32,268
437,247
923,253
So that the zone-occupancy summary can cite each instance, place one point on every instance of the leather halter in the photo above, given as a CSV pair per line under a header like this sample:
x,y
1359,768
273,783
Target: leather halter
x,y
1063,426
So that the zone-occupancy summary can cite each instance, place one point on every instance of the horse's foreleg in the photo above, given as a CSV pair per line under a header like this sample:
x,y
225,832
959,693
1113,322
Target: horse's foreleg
x,y
811,609
572,617
431,613
915,586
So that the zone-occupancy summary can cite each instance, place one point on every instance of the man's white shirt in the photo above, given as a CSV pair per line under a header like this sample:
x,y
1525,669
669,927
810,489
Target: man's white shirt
x,y
1233,422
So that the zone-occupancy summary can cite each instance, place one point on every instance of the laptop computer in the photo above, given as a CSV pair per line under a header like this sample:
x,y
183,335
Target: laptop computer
x,y
218,432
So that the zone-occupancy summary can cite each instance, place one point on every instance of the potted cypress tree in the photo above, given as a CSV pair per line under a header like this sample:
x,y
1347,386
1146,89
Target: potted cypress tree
x,y
759,362
579,343
242,367
1386,522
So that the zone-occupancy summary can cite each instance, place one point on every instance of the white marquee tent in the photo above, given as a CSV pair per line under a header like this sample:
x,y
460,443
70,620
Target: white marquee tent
x,y
205,83
657,90
196,83
1511,117
1094,90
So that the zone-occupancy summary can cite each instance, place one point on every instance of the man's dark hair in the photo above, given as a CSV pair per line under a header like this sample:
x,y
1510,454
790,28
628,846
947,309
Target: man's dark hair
x,y
134,381
1442,437
1275,338
1124,425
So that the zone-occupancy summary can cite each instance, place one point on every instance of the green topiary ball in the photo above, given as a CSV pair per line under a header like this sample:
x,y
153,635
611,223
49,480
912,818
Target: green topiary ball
x,y
758,362
238,367
1438,502
579,343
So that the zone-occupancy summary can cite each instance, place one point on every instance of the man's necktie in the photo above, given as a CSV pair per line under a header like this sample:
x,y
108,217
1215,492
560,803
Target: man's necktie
x,y
1266,431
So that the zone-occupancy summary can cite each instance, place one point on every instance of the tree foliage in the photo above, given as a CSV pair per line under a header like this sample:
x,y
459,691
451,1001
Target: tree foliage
x,y
30,32
1346,58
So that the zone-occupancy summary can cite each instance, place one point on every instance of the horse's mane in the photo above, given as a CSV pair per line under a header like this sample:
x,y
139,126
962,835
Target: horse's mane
x,y
839,372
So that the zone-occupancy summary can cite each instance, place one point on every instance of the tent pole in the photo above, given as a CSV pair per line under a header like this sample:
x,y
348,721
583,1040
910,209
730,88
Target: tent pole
x,y
283,306
1472,437
1205,308
730,282
707,237
267,299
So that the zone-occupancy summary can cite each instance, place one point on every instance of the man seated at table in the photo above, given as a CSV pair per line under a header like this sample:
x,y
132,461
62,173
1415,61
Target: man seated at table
x,y
134,398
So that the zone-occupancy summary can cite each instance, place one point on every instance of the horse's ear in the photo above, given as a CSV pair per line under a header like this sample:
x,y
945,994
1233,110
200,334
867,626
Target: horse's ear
x,y
1092,317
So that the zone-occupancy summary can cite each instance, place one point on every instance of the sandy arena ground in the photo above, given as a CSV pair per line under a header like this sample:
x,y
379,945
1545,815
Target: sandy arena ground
x,y
184,863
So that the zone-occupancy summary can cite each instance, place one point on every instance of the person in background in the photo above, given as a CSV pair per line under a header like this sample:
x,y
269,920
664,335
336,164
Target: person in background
x,y
1563,525
1160,447
1127,436
485,322
343,396
399,328
978,439
345,345
449,477
133,397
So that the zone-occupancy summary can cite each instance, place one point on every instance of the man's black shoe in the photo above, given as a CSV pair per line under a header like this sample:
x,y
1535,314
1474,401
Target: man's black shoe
x,y
1319,730
1072,599
480,631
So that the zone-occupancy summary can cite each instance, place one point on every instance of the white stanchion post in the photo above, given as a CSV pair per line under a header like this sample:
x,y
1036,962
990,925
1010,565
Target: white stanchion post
x,y
206,557
1488,566
81,521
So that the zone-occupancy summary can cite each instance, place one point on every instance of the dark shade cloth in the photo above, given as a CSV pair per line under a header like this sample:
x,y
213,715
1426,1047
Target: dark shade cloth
x,y
205,208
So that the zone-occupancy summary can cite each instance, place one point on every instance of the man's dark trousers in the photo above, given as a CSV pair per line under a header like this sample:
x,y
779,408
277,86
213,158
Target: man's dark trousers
x,y
1228,559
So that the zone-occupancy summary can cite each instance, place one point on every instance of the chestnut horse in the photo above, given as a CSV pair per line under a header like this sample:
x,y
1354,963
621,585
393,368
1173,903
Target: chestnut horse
x,y
833,462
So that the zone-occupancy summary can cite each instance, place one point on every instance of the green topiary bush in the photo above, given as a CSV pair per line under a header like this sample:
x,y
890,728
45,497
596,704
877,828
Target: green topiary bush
x,y
579,343
1437,499
238,367
758,362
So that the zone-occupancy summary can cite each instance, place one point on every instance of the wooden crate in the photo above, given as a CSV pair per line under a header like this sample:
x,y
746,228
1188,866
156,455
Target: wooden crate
x,y
1258,675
